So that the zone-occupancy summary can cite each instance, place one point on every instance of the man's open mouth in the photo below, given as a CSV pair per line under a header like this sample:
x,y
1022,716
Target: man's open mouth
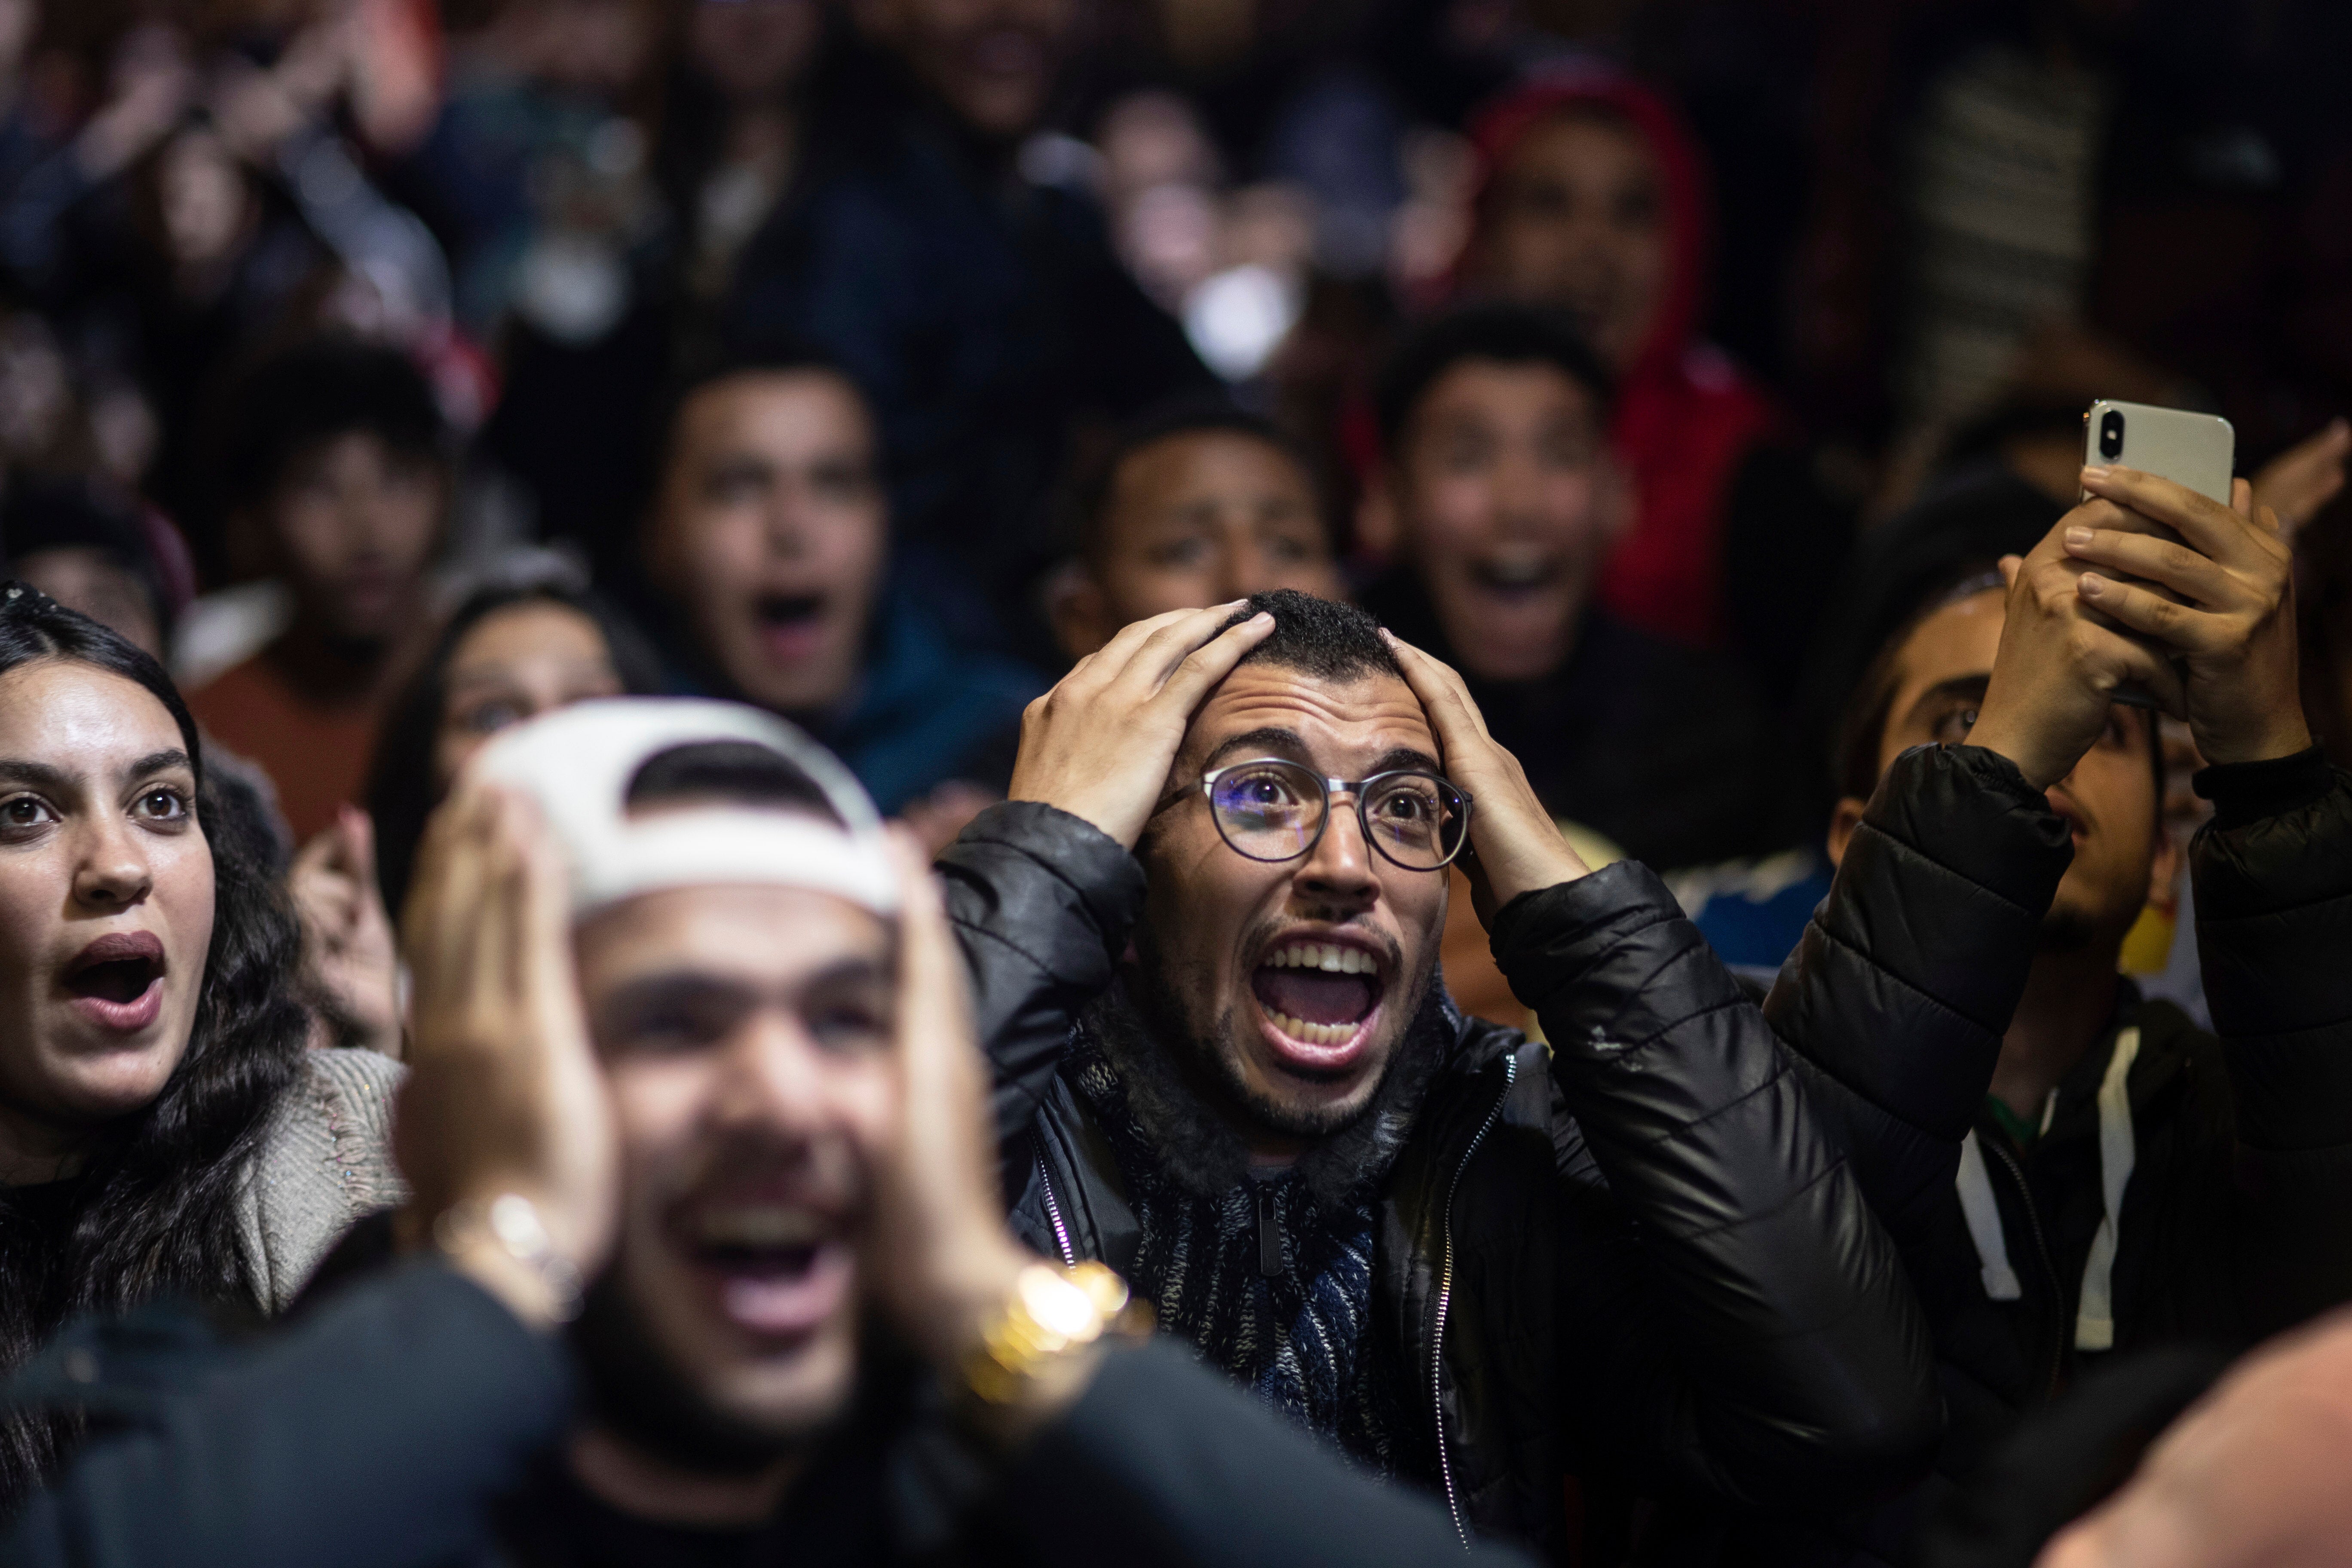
x,y
1318,998
118,980
1511,570
777,1269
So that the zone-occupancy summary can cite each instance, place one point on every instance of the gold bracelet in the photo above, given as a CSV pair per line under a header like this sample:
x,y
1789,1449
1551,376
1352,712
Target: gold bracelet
x,y
1052,1312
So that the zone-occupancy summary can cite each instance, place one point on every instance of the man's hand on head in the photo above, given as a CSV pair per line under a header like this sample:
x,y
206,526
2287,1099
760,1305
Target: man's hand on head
x,y
2061,662
504,1095
2216,589
1515,847
1100,743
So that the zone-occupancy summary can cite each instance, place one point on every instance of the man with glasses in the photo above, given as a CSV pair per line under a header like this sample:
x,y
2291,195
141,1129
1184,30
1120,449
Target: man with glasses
x,y
1204,934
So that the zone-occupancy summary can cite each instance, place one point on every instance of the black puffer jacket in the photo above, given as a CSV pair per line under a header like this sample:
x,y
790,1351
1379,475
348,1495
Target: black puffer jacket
x,y
2233,1220
1635,1255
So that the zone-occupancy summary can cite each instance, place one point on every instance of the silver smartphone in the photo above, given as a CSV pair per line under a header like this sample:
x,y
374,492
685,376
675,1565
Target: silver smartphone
x,y
2196,451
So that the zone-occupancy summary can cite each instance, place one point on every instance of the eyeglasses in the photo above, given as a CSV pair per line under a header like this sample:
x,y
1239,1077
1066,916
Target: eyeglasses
x,y
1271,810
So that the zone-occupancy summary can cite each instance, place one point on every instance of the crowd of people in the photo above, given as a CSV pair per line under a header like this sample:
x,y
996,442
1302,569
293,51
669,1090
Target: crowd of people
x,y
926,781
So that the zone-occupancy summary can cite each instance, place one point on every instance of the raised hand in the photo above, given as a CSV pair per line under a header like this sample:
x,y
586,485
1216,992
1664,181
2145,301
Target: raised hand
x,y
2226,609
2061,661
1514,848
1100,743
939,1259
503,1092
349,956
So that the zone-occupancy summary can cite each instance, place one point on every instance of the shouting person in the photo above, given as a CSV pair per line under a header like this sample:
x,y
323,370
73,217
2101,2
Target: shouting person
x,y
1204,933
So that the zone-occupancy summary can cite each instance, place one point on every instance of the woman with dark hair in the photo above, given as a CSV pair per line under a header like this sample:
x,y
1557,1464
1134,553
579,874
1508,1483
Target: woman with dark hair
x,y
163,1130
510,650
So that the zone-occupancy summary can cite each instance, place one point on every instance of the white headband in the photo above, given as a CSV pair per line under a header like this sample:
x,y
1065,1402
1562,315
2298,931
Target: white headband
x,y
577,763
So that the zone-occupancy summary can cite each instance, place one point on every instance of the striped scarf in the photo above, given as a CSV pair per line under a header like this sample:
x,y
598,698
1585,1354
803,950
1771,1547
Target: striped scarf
x,y
1301,1339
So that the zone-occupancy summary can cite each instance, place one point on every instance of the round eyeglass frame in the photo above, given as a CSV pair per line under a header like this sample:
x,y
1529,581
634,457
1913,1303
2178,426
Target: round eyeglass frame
x,y
1331,786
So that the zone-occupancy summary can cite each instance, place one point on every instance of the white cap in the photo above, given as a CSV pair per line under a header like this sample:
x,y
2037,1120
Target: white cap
x,y
577,763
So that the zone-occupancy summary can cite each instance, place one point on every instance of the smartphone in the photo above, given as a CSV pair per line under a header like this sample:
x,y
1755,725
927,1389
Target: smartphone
x,y
2197,451
2194,451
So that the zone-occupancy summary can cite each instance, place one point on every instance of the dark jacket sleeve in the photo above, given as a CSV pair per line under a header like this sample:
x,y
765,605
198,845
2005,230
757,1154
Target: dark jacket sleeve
x,y
1163,1462
1776,1352
1042,902
1898,995
2273,893
372,1432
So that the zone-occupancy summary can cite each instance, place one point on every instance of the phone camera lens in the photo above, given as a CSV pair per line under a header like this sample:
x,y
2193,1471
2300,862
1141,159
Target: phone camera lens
x,y
2111,436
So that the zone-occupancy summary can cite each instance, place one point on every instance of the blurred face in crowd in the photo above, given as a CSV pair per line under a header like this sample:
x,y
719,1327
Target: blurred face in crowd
x,y
1200,518
753,49
1577,219
352,525
1506,501
514,664
1287,985
992,62
106,907
2109,801
82,577
772,532
202,198
745,1032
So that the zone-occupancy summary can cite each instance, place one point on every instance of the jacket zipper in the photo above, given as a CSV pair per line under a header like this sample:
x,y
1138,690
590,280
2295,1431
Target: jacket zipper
x,y
2042,1249
1054,1213
1446,1301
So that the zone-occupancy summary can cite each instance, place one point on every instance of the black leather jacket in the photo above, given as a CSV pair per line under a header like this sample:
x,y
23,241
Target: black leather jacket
x,y
2233,1223
1634,1254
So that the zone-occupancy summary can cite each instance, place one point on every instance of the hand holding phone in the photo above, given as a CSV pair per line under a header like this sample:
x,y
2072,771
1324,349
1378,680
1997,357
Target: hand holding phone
x,y
2214,589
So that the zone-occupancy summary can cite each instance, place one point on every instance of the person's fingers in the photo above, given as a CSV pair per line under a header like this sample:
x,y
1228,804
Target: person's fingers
x,y
2178,626
1164,652
2194,578
932,987
316,850
2009,566
1108,663
447,911
1442,693
355,844
1199,671
2204,524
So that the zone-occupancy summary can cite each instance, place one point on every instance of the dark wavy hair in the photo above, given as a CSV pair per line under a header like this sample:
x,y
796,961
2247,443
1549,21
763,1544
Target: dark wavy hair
x,y
153,1209
401,789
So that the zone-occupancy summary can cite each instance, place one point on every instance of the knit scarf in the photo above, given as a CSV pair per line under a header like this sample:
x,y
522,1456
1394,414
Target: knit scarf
x,y
1300,1338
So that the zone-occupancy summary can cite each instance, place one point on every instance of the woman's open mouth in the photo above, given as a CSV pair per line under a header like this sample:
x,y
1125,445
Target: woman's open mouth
x,y
117,982
1317,1001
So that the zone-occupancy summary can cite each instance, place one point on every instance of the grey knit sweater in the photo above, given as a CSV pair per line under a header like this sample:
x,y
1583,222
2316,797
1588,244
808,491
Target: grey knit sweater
x,y
328,1162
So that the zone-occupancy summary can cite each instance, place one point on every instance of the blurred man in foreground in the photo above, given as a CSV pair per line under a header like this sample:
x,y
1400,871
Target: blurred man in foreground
x,y
717,1104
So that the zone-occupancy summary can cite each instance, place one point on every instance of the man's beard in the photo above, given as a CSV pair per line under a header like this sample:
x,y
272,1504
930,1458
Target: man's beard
x,y
1170,1067
635,1389
1207,1057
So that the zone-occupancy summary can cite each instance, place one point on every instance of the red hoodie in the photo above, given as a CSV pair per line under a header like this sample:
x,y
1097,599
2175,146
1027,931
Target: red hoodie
x,y
1686,415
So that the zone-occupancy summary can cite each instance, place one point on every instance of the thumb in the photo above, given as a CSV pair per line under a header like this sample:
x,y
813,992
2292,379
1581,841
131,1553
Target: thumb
x,y
355,844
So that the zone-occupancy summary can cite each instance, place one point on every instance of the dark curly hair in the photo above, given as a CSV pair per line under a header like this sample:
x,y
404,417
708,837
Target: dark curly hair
x,y
153,1209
